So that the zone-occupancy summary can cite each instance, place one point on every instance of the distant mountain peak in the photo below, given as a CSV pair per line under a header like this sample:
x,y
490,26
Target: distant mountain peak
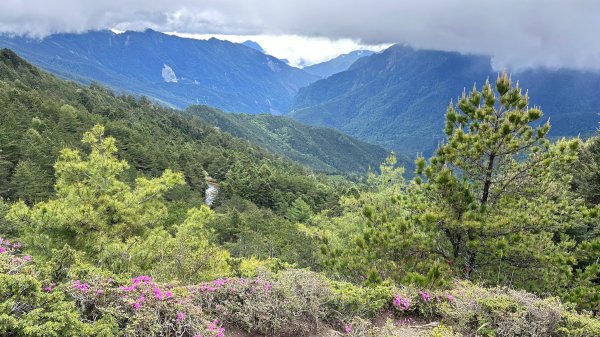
x,y
337,64
254,45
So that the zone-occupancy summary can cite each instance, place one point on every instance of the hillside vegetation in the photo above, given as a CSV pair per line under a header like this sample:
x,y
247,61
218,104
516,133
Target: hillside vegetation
x,y
319,148
103,231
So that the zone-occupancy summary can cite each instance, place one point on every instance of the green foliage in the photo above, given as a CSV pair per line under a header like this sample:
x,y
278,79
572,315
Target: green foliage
x,y
586,171
28,310
322,149
574,325
247,231
351,300
498,191
41,115
187,256
92,206
376,238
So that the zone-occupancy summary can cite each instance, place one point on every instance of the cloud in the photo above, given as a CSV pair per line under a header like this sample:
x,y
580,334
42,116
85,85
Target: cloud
x,y
298,50
517,33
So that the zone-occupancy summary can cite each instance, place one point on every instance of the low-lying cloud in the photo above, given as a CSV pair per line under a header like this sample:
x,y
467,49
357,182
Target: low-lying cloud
x,y
517,33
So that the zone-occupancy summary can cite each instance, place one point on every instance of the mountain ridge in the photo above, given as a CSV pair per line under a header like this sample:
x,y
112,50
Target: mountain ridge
x,y
398,98
322,149
336,64
227,75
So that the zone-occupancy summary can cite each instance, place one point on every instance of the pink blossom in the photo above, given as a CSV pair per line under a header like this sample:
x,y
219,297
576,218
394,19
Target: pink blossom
x,y
348,328
2,250
83,287
49,288
401,303
425,296
180,316
267,286
27,258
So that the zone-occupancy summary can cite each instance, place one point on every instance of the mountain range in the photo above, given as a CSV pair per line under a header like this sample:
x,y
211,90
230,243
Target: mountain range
x,y
337,64
170,69
398,98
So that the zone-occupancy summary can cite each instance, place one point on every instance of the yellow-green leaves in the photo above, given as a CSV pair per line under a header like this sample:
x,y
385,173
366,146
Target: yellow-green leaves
x,y
92,205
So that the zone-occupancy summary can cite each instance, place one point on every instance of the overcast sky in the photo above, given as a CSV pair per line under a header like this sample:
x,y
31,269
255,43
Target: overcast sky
x,y
518,33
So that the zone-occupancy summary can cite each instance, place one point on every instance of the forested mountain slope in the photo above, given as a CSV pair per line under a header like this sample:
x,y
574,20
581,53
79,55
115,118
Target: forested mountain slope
x,y
320,148
41,115
175,70
398,98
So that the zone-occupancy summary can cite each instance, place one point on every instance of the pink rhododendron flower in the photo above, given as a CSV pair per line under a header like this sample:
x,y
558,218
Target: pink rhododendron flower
x,y
425,296
401,303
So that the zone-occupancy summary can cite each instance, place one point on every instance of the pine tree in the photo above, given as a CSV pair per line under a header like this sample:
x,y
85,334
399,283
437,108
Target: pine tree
x,y
496,155
30,182
299,211
92,205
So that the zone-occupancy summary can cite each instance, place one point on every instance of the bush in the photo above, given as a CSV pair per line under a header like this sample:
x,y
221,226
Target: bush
x,y
576,325
27,308
291,303
502,312
351,300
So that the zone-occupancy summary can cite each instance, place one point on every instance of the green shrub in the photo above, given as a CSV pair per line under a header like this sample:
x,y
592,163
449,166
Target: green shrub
x,y
351,300
501,312
578,325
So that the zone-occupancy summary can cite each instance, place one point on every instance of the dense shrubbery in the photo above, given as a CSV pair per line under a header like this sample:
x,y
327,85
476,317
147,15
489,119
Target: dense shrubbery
x,y
288,303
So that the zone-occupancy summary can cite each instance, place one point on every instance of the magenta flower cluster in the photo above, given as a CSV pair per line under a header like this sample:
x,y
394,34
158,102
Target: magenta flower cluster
x,y
144,285
425,296
214,327
347,328
401,303
83,287
9,248
235,285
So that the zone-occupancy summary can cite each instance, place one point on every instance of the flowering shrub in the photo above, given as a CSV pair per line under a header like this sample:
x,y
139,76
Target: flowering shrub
x,y
144,307
502,312
424,303
291,303
28,310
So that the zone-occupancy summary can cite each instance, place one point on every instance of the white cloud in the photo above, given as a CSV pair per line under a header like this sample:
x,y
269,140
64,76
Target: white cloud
x,y
298,50
518,33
